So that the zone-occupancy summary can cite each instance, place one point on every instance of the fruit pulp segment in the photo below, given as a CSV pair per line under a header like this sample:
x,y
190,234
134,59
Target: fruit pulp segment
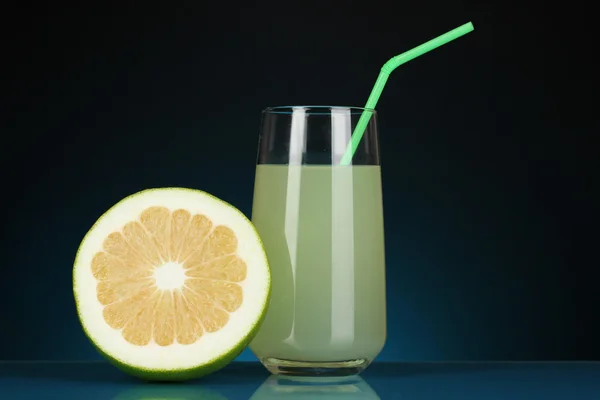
x,y
131,269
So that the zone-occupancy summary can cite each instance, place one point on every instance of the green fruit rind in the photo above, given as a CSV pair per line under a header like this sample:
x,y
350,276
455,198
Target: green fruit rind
x,y
193,372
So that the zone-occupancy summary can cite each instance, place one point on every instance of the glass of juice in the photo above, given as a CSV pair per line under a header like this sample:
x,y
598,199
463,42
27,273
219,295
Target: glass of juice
x,y
322,227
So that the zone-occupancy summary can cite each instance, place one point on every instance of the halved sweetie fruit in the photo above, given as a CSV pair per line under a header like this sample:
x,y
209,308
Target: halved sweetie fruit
x,y
171,284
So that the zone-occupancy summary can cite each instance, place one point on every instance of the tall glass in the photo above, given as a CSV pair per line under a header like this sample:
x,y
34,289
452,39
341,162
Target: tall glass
x,y
322,228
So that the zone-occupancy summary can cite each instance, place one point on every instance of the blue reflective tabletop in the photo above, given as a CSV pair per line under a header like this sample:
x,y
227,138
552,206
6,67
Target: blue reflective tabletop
x,y
402,381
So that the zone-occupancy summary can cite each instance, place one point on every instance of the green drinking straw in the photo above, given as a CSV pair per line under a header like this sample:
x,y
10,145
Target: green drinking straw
x,y
386,70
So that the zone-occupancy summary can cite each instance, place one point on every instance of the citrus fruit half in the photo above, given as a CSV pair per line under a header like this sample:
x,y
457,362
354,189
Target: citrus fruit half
x,y
171,283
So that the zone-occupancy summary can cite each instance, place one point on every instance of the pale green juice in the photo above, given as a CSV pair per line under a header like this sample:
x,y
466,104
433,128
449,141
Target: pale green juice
x,y
322,228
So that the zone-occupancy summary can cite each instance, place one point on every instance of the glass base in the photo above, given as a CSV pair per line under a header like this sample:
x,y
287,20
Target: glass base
x,y
315,368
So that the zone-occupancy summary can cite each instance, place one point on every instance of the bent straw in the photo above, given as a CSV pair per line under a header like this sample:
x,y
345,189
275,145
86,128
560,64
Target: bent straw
x,y
386,70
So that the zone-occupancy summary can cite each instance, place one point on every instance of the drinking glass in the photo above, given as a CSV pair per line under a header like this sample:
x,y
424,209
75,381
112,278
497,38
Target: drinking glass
x,y
322,227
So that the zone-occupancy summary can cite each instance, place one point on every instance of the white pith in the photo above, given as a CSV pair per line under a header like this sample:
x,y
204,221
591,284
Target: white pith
x,y
169,276
209,346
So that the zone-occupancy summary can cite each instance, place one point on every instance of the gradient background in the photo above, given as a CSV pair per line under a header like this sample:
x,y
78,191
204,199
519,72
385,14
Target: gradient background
x,y
486,155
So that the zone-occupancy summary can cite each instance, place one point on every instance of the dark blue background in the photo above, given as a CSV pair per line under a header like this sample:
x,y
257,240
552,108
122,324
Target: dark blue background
x,y
486,157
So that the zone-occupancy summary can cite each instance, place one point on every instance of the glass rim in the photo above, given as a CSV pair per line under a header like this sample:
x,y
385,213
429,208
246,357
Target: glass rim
x,y
317,109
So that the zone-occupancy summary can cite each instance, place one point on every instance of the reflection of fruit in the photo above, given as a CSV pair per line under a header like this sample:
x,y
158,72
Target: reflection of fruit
x,y
282,388
169,392
171,284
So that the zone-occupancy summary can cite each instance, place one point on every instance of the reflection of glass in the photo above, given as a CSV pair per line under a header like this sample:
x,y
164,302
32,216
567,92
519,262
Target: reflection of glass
x,y
322,228
313,388
168,392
